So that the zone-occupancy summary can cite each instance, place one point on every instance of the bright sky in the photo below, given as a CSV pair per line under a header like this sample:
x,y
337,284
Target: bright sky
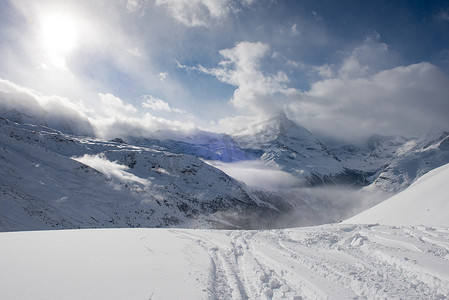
x,y
341,68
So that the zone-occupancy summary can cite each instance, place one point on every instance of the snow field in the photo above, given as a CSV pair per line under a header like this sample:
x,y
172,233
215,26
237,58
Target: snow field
x,y
324,262
426,201
100,264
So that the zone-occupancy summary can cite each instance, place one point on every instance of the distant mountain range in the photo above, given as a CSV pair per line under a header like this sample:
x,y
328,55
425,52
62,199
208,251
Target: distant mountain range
x,y
54,179
387,163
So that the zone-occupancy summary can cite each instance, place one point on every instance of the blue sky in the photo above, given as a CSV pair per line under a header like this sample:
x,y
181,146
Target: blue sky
x,y
340,68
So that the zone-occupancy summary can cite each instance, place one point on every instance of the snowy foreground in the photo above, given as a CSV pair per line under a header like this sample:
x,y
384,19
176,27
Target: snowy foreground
x,y
331,261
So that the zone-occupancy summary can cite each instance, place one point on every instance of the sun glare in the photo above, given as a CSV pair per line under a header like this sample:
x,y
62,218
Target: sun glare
x,y
59,37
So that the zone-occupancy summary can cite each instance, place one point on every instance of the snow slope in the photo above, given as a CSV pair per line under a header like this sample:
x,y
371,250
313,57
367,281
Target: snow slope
x,y
325,262
425,202
54,180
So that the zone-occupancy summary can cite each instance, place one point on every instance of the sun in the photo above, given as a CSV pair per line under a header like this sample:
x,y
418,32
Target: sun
x,y
59,36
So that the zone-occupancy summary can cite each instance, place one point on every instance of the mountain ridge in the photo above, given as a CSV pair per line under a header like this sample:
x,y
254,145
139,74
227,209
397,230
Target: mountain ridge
x,y
51,180
47,175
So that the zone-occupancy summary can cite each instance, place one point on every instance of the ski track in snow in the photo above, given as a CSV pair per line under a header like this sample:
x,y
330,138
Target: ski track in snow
x,y
324,262
329,262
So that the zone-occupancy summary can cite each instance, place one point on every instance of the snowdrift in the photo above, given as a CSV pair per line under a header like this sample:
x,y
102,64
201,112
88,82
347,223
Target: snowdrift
x,y
425,202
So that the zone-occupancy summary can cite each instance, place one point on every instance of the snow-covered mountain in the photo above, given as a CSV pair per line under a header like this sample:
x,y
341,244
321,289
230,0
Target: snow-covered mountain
x,y
54,180
392,163
425,202
285,144
384,163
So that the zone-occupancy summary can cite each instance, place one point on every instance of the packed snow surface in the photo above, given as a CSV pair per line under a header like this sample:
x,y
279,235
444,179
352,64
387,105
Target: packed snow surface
x,y
425,202
324,262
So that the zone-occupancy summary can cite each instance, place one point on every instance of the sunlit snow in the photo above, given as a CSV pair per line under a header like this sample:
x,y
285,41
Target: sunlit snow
x,y
325,262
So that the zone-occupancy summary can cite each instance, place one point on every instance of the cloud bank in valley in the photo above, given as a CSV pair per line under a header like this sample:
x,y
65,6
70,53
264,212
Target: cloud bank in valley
x,y
256,174
308,205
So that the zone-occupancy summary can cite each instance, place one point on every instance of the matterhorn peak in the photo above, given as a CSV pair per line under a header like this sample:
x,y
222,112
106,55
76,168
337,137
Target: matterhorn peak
x,y
289,128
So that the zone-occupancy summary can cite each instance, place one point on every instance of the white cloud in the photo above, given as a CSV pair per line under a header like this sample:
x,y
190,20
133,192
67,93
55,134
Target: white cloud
x,y
113,106
364,94
241,67
255,173
294,30
136,52
195,13
109,117
137,125
111,169
325,71
163,75
368,94
407,100
26,105
133,5
155,104
119,119
235,124
366,59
